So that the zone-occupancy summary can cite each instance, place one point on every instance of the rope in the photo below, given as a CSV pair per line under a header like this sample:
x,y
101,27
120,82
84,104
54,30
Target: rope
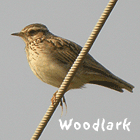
x,y
73,69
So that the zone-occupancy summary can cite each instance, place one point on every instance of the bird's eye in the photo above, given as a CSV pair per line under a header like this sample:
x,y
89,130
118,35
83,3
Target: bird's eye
x,y
32,32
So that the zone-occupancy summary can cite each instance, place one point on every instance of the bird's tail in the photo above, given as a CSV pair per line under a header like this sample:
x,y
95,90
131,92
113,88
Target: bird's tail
x,y
112,82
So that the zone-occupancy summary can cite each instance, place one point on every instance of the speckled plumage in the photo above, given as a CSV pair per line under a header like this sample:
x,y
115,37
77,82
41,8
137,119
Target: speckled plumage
x,y
50,57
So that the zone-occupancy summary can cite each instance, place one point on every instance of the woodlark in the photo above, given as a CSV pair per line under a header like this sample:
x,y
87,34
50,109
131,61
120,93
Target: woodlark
x,y
50,57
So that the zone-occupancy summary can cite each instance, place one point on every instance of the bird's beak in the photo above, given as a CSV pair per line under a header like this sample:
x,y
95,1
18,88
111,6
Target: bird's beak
x,y
20,34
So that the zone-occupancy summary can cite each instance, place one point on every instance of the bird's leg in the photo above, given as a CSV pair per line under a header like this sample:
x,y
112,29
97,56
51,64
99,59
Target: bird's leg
x,y
61,104
64,101
53,99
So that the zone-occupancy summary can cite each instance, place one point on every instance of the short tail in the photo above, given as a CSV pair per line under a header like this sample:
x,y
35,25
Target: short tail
x,y
113,82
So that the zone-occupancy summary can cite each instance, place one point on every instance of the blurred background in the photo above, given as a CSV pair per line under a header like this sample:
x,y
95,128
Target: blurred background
x,y
25,99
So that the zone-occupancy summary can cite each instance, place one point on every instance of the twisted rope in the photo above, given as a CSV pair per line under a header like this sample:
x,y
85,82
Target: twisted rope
x,y
74,69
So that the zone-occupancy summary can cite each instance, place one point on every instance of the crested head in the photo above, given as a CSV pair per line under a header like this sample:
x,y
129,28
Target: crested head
x,y
35,26
32,31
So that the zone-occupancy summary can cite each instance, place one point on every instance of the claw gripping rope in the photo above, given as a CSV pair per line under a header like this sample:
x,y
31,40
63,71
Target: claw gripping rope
x,y
73,69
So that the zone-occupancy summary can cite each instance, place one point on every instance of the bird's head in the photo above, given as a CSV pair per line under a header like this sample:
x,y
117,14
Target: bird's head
x,y
32,32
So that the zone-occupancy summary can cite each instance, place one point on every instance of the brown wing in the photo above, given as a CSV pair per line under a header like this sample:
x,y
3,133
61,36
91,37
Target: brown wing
x,y
67,51
64,50
104,77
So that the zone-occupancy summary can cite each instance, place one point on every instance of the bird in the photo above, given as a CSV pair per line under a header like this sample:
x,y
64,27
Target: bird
x,y
50,57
